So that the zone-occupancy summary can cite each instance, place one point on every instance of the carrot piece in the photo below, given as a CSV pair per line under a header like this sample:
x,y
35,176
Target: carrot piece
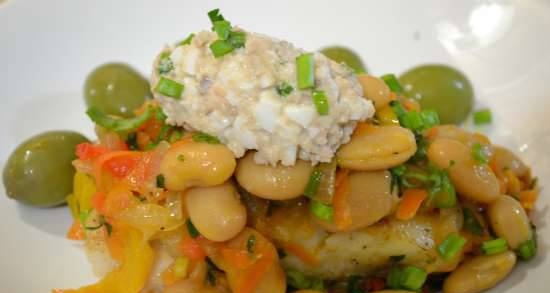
x,y
98,202
410,203
88,151
342,214
76,232
527,198
254,274
191,248
240,259
432,133
300,252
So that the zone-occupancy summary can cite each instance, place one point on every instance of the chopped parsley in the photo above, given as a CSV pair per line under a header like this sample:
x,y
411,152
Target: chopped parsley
x,y
284,89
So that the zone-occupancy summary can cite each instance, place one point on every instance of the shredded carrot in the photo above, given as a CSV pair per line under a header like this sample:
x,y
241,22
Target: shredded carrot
x,y
238,258
254,274
410,203
300,252
494,165
191,248
76,232
527,198
342,214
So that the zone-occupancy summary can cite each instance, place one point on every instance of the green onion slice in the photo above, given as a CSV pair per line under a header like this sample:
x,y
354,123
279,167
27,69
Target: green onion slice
x,y
237,39
483,116
187,40
413,278
391,80
313,184
215,15
284,89
169,88
451,246
471,224
222,28
478,154
528,249
305,71
321,102
298,280
494,246
321,210
204,137
116,124
220,48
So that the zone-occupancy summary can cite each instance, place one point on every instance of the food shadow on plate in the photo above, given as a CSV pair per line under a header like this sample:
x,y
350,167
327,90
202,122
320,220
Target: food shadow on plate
x,y
54,221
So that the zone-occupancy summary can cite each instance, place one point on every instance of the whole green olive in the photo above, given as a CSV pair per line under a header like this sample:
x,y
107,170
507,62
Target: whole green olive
x,y
116,89
39,172
441,88
346,56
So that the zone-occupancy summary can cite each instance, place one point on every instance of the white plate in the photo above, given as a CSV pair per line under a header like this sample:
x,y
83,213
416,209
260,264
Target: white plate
x,y
48,47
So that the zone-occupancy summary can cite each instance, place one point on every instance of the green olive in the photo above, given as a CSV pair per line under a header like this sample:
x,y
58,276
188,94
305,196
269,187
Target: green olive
x,y
39,172
116,89
346,56
441,88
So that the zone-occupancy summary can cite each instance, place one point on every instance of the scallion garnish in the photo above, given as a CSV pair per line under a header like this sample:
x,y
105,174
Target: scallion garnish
x,y
483,116
321,102
284,89
169,88
160,181
451,246
237,39
313,183
222,28
321,210
415,121
528,249
305,71
391,80
413,278
118,125
393,279
471,224
204,137
187,40
251,243
494,246
191,229
165,63
478,154
220,48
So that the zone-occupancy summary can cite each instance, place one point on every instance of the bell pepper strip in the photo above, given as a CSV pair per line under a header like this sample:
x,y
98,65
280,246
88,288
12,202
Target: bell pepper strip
x,y
410,203
118,163
300,252
133,273
118,125
342,214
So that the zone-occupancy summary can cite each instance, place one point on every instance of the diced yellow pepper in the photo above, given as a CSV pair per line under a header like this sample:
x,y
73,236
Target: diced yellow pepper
x,y
83,190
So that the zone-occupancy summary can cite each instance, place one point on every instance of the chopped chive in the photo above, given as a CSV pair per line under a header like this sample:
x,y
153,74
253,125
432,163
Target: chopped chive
x,y
321,210
165,63
169,88
215,15
430,118
284,89
397,108
451,246
160,181
118,125
412,121
528,249
391,80
313,184
193,232
251,243
413,278
483,116
237,39
494,246
187,40
222,28
471,224
305,71
220,48
478,154
321,102
445,194
204,137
